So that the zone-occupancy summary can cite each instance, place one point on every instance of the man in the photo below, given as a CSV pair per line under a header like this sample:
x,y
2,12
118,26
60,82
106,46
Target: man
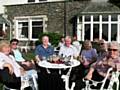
x,y
102,52
18,55
44,50
67,49
47,81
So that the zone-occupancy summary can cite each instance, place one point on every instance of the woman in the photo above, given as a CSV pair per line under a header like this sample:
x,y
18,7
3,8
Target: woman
x,y
11,76
88,54
87,57
12,79
100,68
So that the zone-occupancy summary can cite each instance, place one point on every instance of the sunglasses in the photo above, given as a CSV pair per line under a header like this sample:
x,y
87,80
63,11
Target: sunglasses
x,y
112,49
14,43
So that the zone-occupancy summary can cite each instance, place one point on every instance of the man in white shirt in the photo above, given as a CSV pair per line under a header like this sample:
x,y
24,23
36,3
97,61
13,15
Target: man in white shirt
x,y
67,49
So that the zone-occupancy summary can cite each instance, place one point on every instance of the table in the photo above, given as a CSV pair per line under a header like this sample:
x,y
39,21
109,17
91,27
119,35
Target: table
x,y
72,63
46,64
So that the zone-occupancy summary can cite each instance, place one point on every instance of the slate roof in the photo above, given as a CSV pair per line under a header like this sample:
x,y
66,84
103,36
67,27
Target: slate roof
x,y
101,7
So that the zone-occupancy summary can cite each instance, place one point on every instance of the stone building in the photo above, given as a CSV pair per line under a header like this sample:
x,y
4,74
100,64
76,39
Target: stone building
x,y
88,19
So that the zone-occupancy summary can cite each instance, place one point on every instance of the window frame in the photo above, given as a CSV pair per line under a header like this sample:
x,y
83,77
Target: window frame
x,y
100,22
42,18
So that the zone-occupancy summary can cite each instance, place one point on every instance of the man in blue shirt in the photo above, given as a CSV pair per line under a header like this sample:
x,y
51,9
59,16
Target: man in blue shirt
x,y
44,50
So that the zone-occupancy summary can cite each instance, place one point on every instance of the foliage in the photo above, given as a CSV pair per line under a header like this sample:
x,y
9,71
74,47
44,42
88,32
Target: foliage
x,y
29,55
115,2
53,37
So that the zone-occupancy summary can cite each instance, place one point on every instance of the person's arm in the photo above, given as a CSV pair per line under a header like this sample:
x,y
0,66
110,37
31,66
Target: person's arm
x,y
3,64
94,55
90,74
37,58
9,66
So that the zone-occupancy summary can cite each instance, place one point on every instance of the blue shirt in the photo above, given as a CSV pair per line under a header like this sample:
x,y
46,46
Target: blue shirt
x,y
44,52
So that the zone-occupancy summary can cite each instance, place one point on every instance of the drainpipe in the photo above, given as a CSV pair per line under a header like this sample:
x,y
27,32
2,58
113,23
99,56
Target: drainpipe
x,y
6,18
65,19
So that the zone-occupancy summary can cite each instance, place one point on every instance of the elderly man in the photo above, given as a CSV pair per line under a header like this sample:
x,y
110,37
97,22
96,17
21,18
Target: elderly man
x,y
100,68
102,49
67,49
47,81
44,50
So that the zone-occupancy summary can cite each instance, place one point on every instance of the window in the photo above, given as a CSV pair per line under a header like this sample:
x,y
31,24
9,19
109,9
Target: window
x,y
1,30
23,29
37,27
87,32
113,32
36,1
31,0
100,27
105,31
29,28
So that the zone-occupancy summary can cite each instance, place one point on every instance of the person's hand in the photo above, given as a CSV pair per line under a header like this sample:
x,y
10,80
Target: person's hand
x,y
22,71
86,63
88,76
80,58
9,66
27,63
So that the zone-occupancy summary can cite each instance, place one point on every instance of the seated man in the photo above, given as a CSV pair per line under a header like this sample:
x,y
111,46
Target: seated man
x,y
18,56
67,49
47,81
44,50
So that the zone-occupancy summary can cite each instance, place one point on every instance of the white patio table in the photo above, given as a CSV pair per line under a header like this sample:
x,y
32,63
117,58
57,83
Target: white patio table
x,y
72,63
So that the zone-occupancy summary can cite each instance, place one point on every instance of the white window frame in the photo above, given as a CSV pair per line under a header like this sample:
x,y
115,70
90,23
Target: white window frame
x,y
29,19
100,22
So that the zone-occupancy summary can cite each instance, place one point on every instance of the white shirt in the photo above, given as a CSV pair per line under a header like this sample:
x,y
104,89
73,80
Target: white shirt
x,y
77,45
10,59
68,51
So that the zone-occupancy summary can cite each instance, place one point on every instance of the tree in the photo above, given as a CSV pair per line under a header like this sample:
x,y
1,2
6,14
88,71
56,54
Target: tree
x,y
116,2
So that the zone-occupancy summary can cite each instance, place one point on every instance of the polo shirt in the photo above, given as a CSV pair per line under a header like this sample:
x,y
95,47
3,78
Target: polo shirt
x,y
44,52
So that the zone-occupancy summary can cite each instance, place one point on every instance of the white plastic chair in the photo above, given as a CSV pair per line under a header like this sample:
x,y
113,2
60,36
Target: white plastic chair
x,y
94,83
5,87
66,80
114,79
30,81
25,47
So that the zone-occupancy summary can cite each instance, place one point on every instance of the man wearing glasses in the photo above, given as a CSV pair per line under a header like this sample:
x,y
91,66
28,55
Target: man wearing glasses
x,y
102,52
18,55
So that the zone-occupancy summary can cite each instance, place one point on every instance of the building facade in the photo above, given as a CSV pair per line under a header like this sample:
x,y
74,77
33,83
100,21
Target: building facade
x,y
88,19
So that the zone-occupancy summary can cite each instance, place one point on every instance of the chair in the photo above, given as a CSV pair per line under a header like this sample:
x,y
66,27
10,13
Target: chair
x,y
25,47
94,83
66,80
29,81
114,79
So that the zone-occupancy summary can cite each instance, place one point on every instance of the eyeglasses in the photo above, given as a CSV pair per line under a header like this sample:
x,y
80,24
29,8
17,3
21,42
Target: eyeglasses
x,y
101,43
109,49
14,43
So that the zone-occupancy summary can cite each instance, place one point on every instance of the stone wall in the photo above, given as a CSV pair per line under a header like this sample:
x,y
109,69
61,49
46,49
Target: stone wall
x,y
54,12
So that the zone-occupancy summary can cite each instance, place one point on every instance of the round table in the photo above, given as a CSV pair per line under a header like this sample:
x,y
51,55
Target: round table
x,y
72,63
46,64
